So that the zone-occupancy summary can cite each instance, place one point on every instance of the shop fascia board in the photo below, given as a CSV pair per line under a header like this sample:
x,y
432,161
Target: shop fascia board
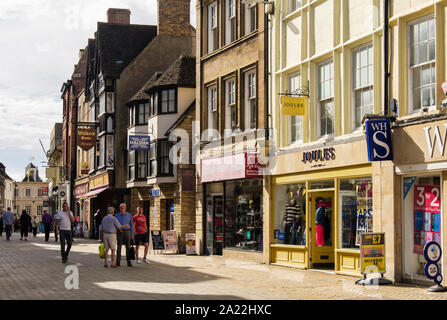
x,y
420,168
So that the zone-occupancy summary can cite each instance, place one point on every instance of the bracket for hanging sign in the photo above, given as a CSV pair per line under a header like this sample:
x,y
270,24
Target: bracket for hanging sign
x,y
300,92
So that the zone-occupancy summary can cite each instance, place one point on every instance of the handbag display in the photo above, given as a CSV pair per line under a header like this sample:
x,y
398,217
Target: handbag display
x,y
101,250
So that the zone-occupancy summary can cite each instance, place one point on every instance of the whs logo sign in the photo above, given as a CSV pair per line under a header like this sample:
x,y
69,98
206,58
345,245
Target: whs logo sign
x,y
378,138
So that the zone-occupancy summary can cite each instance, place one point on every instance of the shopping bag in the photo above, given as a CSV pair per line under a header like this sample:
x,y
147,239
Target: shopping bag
x,y
101,250
132,253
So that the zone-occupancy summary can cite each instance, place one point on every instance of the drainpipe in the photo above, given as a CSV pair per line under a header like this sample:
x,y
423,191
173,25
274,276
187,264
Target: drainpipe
x,y
385,56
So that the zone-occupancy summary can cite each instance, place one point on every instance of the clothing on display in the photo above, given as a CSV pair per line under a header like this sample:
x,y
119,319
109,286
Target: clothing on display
x,y
293,220
320,225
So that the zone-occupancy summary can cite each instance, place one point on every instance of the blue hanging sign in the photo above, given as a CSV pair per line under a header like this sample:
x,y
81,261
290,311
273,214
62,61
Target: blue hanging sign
x,y
139,143
378,139
154,192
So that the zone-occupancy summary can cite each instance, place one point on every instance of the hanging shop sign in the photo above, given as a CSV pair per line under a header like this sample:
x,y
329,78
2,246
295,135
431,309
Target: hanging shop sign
x,y
86,138
372,253
170,240
427,216
85,167
236,166
190,243
320,155
293,106
139,143
157,240
154,193
378,139
432,254
81,190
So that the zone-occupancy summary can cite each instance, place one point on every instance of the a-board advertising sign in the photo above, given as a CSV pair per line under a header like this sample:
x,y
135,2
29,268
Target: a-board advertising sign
x,y
372,253
190,243
170,240
157,240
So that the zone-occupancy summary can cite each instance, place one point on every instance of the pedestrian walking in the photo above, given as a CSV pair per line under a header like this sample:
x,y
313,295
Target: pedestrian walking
x,y
25,222
127,234
16,224
35,225
63,220
8,221
109,228
141,234
1,223
47,219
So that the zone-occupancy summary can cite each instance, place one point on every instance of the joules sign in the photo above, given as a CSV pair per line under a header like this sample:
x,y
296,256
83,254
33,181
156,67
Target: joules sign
x,y
325,154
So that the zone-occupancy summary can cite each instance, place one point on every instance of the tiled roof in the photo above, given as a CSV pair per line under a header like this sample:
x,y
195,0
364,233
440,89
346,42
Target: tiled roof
x,y
119,44
141,94
182,73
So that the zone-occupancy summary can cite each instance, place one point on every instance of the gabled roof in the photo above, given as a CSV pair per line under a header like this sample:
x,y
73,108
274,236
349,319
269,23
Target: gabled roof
x,y
182,73
141,95
181,118
119,44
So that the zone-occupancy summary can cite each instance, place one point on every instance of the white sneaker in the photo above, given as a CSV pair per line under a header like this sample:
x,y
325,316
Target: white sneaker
x,y
138,261
146,261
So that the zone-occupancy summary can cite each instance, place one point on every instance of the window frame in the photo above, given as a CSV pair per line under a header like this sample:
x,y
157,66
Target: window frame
x,y
325,100
213,107
250,25
431,63
231,105
230,21
249,99
213,30
361,88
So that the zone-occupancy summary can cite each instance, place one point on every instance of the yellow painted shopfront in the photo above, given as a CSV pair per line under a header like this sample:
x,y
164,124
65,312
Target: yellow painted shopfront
x,y
322,200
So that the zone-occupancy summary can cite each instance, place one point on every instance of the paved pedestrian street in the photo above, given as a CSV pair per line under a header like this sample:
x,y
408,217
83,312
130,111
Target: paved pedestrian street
x,y
33,270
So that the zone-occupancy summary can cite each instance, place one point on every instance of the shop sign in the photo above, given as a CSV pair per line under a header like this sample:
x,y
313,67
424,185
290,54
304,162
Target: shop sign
x,y
157,240
408,183
293,106
139,143
236,166
100,181
80,190
372,253
437,139
170,240
190,243
325,154
86,138
154,193
188,179
378,139
85,168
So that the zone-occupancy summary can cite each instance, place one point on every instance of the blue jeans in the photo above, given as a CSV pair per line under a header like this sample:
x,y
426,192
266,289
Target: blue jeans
x,y
8,228
65,235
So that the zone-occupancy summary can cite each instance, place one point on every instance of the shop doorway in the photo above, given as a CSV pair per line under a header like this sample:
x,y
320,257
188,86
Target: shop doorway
x,y
214,232
146,213
322,237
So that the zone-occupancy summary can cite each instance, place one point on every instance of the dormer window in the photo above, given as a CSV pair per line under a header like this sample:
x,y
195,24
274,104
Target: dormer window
x,y
168,104
162,101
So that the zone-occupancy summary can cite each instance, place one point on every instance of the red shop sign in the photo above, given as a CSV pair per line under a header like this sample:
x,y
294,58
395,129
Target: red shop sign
x,y
236,166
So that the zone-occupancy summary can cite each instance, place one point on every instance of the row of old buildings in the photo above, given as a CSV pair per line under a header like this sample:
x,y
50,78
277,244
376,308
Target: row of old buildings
x,y
229,162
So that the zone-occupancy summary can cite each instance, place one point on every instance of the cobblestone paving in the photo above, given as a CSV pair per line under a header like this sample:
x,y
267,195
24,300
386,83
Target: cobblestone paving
x,y
33,270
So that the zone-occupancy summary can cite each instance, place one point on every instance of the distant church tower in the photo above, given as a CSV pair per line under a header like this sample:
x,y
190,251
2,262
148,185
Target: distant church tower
x,y
31,174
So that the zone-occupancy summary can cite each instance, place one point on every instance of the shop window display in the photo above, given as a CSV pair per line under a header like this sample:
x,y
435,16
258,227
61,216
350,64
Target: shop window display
x,y
243,216
290,217
356,210
422,219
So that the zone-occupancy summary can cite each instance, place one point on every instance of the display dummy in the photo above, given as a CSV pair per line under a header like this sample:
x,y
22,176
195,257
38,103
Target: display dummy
x,y
320,224
294,221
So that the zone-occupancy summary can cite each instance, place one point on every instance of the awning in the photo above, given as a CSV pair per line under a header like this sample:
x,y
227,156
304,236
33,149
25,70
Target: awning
x,y
94,192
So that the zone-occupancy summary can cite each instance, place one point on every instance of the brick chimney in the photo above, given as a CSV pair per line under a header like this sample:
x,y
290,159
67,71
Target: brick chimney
x,y
174,17
118,16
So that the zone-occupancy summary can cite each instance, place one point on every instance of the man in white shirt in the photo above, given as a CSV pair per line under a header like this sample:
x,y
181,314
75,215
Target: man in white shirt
x,y
63,220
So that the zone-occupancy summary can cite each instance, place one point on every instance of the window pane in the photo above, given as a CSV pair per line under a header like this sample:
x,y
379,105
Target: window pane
x,y
416,78
433,95
364,77
414,34
366,97
432,29
433,73
417,98
426,75
423,53
414,55
426,101
423,31
432,54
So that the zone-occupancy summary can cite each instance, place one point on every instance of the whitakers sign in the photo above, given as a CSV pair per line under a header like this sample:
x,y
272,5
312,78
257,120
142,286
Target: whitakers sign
x,y
372,253
293,106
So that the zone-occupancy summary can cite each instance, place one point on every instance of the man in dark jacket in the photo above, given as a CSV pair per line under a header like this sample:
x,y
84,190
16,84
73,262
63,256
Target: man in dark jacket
x,y
25,222
47,219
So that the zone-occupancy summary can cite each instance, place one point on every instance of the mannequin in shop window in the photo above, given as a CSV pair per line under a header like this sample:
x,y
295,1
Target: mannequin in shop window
x,y
293,220
320,223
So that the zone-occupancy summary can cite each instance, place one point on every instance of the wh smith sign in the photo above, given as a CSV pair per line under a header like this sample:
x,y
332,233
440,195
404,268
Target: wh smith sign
x,y
378,138
139,143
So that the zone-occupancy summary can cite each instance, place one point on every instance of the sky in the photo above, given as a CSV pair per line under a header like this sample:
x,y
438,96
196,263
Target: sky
x,y
40,42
